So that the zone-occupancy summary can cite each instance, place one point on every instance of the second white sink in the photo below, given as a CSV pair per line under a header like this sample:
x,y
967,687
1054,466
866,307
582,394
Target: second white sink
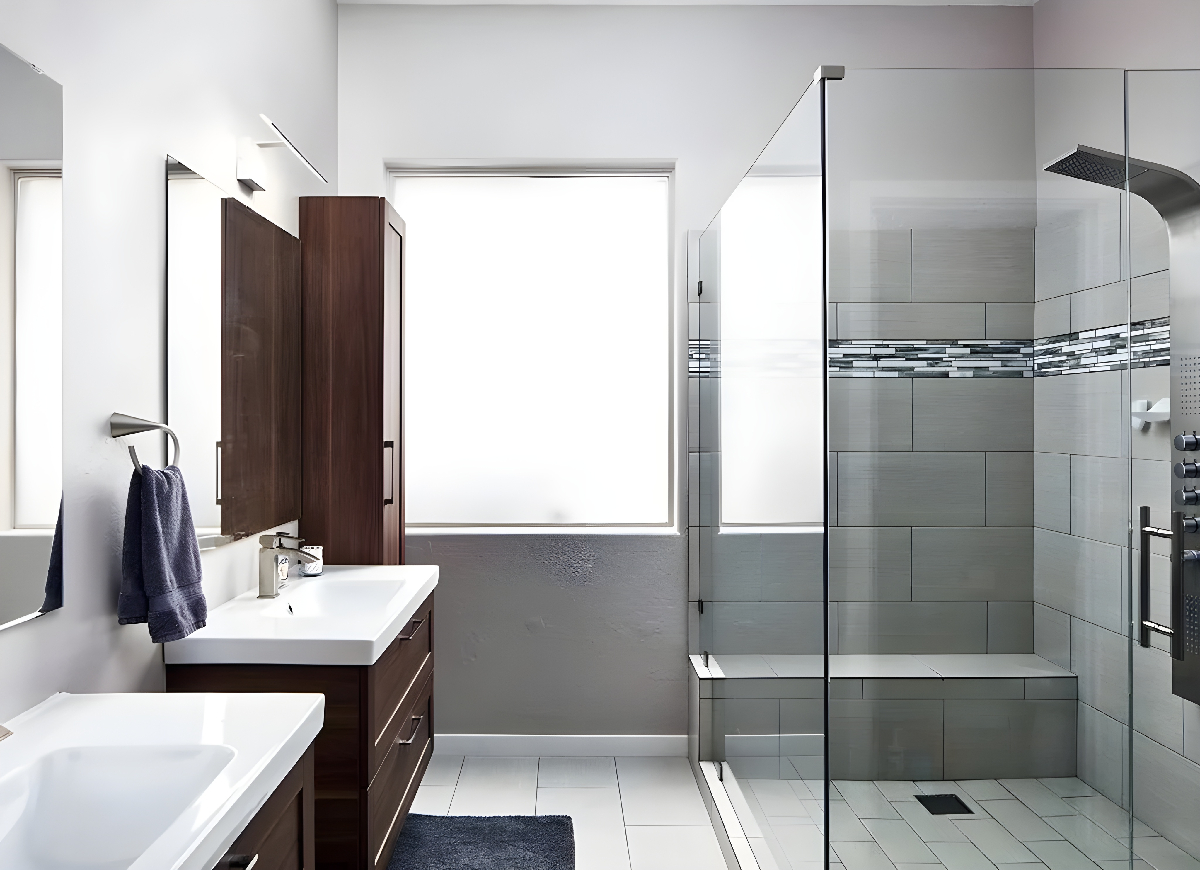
x,y
100,807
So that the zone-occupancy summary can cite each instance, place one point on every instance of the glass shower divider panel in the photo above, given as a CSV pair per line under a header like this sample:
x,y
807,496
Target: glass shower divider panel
x,y
979,639
757,505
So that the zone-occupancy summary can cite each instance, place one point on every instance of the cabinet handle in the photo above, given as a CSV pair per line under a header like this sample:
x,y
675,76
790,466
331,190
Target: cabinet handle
x,y
414,625
241,862
416,720
390,446
218,467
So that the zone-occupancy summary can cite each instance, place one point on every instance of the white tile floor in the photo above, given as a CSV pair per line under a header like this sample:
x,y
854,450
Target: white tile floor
x,y
628,813
1047,824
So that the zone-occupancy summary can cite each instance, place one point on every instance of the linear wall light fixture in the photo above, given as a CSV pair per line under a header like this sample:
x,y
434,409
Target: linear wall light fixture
x,y
284,142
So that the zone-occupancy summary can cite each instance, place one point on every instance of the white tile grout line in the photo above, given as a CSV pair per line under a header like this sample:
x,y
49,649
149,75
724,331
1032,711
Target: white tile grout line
x,y
457,779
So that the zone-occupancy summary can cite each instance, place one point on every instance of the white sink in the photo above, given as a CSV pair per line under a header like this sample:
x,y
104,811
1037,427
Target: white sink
x,y
347,616
100,807
151,781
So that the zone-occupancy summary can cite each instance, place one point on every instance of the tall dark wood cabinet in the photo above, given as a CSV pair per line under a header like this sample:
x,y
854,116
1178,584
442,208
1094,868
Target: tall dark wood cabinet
x,y
352,274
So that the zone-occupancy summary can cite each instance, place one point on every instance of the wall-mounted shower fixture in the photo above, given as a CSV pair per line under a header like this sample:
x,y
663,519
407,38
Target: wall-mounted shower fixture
x,y
1176,197
1144,413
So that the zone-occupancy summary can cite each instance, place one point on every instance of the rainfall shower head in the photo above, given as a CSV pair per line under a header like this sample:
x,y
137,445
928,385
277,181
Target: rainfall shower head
x,y
1171,192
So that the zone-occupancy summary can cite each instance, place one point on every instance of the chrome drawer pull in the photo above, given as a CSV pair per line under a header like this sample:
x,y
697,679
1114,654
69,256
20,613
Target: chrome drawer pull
x,y
415,625
411,737
241,862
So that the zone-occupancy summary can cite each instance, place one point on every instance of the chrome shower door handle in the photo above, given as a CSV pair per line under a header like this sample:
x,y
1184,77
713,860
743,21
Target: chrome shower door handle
x,y
390,448
1178,556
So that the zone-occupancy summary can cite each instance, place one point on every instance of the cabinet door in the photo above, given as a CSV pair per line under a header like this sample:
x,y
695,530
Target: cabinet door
x,y
260,373
393,385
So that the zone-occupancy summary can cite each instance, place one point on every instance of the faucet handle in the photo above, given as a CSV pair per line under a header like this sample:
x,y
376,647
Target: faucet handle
x,y
278,539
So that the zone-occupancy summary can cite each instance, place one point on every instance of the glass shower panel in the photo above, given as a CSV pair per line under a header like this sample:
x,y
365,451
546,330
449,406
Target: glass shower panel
x,y
979,443
1164,154
757,486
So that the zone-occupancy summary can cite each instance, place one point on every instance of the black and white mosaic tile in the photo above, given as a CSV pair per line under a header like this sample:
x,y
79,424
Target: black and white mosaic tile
x,y
704,358
1104,350
875,358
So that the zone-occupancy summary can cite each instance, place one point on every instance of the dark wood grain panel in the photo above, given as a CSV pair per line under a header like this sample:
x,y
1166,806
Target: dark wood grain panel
x,y
352,277
260,373
395,678
281,834
394,787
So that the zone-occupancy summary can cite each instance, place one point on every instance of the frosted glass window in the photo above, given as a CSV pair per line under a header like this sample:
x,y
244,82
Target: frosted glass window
x,y
771,421
537,350
38,351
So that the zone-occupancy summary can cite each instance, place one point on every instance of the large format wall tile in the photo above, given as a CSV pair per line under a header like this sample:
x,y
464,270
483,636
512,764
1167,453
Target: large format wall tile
x,y
910,489
1052,491
755,628
972,265
913,320
1103,756
863,735
1052,635
1151,296
1100,659
870,564
1008,320
1149,248
1079,577
1052,317
869,265
972,564
912,627
1098,498
1010,627
1165,786
1009,489
1081,413
993,739
1151,480
1098,307
870,413
772,567
1157,712
973,414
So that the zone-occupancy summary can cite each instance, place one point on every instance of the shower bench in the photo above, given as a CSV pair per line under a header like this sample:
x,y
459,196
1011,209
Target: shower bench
x,y
905,717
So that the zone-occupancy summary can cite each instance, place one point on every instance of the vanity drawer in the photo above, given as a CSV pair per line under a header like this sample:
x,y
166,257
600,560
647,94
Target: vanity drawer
x,y
281,834
392,791
394,679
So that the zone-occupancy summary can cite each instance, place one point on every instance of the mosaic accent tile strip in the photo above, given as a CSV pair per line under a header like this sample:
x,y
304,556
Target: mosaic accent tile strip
x,y
1105,350
970,358
704,358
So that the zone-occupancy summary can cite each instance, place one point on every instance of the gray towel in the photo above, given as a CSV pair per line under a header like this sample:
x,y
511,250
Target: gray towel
x,y
160,559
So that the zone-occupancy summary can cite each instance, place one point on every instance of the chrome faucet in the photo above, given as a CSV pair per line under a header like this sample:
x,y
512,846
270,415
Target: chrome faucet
x,y
274,561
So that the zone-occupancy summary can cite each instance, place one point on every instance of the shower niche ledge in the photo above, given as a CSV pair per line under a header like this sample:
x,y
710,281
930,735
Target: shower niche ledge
x,y
958,716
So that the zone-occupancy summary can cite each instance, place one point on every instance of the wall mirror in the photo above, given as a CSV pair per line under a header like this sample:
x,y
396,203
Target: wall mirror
x,y
232,358
30,341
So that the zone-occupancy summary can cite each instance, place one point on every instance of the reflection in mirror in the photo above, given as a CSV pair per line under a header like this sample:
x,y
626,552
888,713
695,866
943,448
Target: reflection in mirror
x,y
30,341
194,336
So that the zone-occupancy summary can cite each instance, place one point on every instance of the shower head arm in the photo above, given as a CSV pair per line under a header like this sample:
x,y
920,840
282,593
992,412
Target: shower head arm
x,y
1173,194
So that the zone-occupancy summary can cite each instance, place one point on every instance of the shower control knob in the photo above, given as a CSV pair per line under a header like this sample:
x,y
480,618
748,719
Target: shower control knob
x,y
1191,555
1187,496
1187,469
1187,442
1191,525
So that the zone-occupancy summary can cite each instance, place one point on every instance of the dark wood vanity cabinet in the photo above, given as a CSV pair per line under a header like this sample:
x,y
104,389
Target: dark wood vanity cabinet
x,y
281,836
375,744
352,265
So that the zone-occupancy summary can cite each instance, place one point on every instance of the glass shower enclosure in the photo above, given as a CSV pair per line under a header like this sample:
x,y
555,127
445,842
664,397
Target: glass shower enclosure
x,y
930,393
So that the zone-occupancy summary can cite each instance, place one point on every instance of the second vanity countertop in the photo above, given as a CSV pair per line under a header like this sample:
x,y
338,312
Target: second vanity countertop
x,y
347,616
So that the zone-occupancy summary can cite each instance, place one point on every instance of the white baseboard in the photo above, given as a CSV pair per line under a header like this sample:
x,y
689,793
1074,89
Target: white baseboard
x,y
561,744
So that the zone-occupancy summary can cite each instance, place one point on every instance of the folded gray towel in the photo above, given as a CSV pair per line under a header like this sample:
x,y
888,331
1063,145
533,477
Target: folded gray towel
x,y
160,559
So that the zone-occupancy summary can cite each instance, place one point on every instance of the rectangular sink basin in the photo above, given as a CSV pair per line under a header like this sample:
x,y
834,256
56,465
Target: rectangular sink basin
x,y
100,807
347,616
144,781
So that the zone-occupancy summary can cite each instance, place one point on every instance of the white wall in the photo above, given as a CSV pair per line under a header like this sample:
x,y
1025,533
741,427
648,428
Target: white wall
x,y
704,86
141,80
1125,34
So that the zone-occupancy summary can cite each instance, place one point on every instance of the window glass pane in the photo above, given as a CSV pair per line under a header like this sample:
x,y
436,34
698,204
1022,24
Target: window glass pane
x,y
537,350
38,360
771,443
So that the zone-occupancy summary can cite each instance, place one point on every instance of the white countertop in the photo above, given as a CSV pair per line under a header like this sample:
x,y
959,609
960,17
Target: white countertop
x,y
229,753
347,616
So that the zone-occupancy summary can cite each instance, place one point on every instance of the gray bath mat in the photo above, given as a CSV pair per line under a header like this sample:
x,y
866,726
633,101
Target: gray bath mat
x,y
485,843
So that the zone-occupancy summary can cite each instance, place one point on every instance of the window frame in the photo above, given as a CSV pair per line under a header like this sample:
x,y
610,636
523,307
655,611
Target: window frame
x,y
675,299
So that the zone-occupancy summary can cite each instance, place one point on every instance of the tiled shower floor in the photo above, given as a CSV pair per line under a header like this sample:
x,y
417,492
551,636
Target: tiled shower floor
x,y
1047,824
